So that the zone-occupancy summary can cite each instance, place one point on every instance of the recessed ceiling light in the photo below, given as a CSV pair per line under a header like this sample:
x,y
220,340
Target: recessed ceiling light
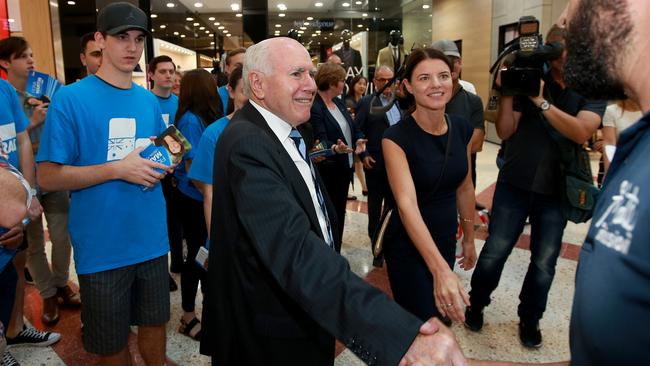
x,y
278,25
426,6
189,19
324,37
360,25
175,33
364,14
314,34
154,15
211,18
303,28
238,15
345,5
281,15
211,43
207,32
310,18
198,5
234,7
301,31
228,35
282,7
221,27
170,5
217,23
318,5
225,31
153,30
182,36
201,28
162,26
306,23
358,2
72,3
196,24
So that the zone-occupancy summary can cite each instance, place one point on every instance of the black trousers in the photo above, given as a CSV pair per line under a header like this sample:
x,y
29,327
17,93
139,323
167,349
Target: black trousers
x,y
378,188
196,233
337,182
174,226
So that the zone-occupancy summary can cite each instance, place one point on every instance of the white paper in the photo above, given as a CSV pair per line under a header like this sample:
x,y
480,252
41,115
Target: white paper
x,y
609,152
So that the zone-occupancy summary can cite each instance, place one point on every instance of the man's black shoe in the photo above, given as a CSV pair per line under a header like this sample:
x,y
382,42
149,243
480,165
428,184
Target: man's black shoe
x,y
474,319
529,334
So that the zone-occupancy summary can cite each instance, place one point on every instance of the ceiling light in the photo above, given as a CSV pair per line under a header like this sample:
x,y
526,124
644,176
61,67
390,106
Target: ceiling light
x,y
201,28
278,25
303,28
364,14
162,26
318,5
170,5
154,16
211,43
282,7
238,15
358,2
345,5
318,31
426,6
189,19
217,23
207,32
281,15
182,36
234,7
195,24
301,31
153,30
176,33
360,25
211,34
211,18
310,18
225,31
324,37
228,35
72,3
306,23
198,5
314,34
221,27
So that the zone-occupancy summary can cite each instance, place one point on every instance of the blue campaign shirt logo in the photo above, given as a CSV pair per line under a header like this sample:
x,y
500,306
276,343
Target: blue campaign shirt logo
x,y
8,138
617,223
121,138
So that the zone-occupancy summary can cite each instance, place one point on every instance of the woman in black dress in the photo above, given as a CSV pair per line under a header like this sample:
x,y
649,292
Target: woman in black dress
x,y
420,242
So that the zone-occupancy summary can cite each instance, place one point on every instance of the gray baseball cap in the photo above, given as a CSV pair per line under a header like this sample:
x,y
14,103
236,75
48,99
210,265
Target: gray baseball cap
x,y
119,17
447,47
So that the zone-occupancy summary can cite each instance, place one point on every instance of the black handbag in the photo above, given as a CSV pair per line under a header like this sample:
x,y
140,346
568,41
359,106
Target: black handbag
x,y
380,232
579,193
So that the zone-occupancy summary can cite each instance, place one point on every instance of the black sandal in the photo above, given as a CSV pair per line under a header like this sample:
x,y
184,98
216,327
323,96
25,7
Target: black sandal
x,y
187,328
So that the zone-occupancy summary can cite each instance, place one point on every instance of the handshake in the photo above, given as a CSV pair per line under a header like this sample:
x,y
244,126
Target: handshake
x,y
435,344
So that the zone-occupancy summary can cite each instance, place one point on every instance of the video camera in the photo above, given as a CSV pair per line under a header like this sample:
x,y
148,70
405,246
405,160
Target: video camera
x,y
525,57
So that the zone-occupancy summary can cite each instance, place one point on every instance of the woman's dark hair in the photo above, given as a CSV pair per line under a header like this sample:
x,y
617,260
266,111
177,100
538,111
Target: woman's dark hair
x,y
353,83
233,80
418,55
199,95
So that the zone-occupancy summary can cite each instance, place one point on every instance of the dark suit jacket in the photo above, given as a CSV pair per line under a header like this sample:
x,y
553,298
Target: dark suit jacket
x,y
276,293
328,131
373,127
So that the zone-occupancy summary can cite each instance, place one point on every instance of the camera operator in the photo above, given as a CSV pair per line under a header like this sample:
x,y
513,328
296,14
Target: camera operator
x,y
529,185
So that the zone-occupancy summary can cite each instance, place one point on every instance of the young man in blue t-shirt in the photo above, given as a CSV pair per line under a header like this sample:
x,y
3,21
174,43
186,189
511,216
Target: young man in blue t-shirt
x,y
161,74
94,133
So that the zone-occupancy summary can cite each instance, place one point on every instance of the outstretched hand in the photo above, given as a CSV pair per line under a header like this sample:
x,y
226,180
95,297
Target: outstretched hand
x,y
434,345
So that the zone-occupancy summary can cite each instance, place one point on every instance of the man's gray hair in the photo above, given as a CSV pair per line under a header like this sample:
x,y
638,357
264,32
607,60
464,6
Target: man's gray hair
x,y
385,67
257,59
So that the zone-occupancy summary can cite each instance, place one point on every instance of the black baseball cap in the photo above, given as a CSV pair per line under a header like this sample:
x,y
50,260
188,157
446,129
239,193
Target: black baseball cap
x,y
118,17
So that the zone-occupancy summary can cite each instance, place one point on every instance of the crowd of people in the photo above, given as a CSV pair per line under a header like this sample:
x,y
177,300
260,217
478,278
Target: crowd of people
x,y
253,210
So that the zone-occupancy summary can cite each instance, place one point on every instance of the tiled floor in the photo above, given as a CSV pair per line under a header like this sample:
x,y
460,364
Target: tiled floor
x,y
497,340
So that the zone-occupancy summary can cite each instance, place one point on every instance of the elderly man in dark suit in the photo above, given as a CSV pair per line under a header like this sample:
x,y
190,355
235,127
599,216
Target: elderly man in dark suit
x,y
277,292
373,126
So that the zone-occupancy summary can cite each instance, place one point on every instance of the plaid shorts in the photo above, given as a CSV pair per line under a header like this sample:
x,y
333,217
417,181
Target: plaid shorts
x,y
113,300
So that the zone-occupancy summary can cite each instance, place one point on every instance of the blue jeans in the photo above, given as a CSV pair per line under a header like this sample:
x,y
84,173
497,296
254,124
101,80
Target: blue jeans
x,y
510,208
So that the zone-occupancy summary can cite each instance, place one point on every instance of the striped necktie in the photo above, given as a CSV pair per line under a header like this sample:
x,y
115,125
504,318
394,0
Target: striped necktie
x,y
302,149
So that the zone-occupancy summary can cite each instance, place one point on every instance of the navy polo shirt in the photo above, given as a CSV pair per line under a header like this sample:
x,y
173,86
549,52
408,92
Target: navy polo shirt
x,y
611,310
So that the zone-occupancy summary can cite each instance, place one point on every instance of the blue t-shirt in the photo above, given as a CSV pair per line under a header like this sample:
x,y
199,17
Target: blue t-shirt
x,y
12,121
202,165
168,106
192,128
610,316
223,94
115,223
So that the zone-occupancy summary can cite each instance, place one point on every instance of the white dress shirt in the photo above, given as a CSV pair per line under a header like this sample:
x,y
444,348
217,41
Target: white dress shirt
x,y
282,129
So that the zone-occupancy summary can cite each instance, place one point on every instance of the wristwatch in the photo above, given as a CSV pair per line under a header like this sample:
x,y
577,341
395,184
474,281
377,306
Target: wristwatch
x,y
544,105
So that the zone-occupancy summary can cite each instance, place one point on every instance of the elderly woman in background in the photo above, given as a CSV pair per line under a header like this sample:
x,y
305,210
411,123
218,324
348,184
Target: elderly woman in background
x,y
334,128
